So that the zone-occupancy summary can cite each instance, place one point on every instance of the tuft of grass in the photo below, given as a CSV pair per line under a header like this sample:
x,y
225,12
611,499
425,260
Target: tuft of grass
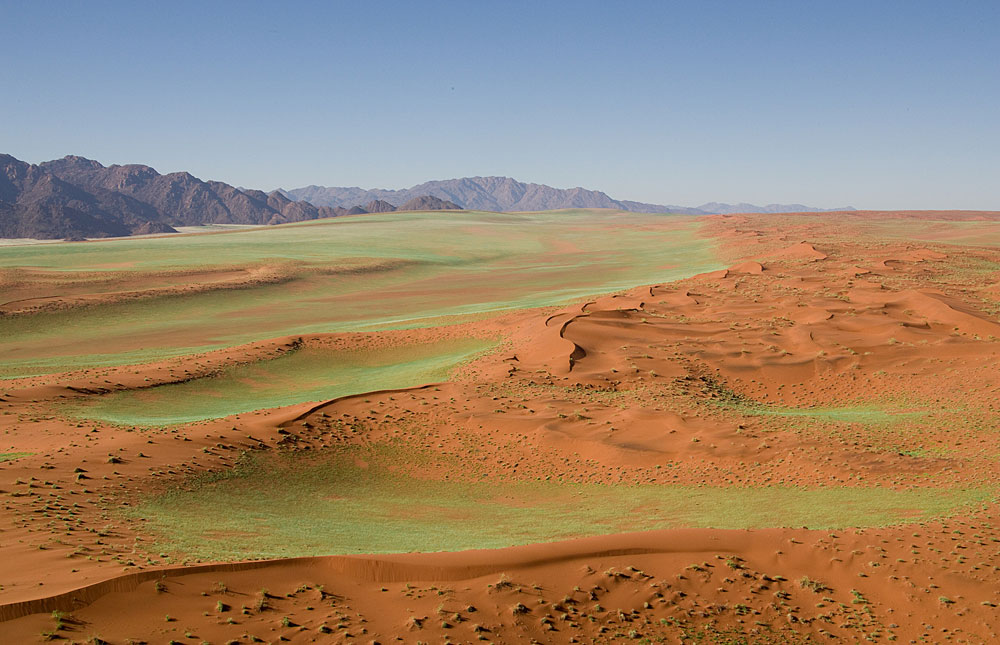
x,y
503,583
261,603
815,585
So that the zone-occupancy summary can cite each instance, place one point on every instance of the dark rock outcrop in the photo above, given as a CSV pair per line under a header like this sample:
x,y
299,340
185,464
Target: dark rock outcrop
x,y
429,203
182,198
379,206
76,198
37,204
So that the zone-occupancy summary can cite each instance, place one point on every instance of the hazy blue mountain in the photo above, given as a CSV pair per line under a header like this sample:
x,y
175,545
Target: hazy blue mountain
x,y
718,207
506,194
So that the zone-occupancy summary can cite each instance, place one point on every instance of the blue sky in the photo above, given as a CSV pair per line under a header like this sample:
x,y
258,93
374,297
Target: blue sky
x,y
873,104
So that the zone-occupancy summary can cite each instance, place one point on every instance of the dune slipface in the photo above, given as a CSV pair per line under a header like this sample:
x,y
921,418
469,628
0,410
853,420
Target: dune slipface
x,y
571,427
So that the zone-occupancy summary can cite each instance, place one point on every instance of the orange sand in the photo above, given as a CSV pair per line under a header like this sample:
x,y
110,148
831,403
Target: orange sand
x,y
813,312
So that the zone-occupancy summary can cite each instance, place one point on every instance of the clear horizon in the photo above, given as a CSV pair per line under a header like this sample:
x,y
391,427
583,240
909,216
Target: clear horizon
x,y
876,106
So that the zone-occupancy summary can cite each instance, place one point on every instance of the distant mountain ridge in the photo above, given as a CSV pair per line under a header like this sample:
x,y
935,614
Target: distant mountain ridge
x,y
75,197
506,194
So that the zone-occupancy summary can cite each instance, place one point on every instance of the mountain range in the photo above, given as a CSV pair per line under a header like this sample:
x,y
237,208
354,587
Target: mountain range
x,y
503,194
75,198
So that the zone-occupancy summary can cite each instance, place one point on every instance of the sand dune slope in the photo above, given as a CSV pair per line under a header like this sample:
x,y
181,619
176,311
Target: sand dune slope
x,y
832,360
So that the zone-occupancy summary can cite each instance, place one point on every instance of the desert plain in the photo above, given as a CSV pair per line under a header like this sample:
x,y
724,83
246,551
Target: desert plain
x,y
463,427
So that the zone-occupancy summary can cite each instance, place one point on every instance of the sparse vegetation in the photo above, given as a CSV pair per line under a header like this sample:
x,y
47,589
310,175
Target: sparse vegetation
x,y
187,518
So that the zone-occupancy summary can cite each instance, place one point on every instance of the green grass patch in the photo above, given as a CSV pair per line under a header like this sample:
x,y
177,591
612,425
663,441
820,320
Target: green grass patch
x,y
410,269
11,456
864,414
349,504
308,374
936,452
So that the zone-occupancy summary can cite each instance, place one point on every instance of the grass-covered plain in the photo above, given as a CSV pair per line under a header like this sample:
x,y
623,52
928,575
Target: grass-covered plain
x,y
372,272
307,374
355,503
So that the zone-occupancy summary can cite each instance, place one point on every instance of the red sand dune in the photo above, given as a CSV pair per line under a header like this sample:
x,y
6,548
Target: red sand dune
x,y
839,317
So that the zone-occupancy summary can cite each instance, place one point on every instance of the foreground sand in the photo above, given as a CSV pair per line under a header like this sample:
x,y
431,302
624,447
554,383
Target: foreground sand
x,y
815,312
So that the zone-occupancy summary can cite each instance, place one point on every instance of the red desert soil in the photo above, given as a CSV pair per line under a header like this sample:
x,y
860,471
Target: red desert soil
x,y
814,312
